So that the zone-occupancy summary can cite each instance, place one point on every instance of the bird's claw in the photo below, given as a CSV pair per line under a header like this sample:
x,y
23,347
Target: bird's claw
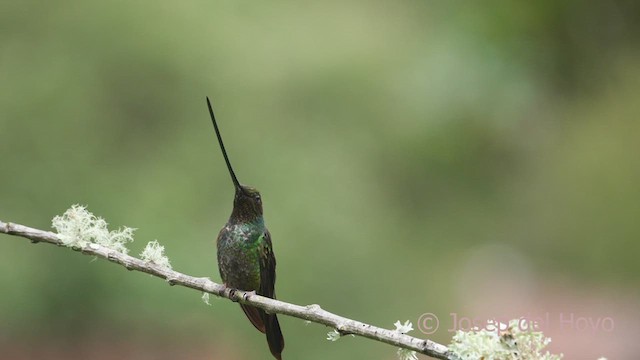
x,y
248,294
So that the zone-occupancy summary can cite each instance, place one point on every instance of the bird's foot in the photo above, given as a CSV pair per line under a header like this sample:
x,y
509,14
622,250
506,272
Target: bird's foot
x,y
248,294
232,292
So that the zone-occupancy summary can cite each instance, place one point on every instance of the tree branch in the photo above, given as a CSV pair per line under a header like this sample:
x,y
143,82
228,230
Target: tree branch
x,y
313,313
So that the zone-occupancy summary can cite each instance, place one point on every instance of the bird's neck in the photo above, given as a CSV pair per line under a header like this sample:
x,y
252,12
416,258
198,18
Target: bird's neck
x,y
242,218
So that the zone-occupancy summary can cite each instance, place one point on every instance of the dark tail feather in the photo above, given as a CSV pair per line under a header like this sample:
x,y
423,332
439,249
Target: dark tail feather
x,y
255,315
274,335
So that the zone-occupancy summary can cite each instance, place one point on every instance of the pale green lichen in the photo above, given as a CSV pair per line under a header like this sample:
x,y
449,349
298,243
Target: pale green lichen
x,y
405,354
403,328
78,227
515,343
154,253
333,335
205,298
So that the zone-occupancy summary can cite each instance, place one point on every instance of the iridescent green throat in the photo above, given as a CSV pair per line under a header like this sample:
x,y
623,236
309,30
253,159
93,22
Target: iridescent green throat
x,y
250,220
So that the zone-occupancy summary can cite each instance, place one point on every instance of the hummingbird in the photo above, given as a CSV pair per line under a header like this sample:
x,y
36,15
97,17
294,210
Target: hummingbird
x,y
245,254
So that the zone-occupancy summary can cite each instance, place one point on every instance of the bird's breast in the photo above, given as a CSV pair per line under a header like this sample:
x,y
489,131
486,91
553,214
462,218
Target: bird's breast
x,y
238,257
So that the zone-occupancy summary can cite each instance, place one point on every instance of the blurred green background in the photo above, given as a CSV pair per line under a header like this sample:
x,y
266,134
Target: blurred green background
x,y
413,156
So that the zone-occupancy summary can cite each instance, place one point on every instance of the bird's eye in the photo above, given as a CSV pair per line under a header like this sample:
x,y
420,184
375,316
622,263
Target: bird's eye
x,y
259,199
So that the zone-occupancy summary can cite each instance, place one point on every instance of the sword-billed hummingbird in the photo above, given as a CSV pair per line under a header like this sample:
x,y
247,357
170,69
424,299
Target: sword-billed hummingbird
x,y
245,254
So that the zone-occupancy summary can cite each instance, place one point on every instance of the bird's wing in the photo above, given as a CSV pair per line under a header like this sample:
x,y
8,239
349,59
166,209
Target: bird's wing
x,y
267,267
267,284
267,281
